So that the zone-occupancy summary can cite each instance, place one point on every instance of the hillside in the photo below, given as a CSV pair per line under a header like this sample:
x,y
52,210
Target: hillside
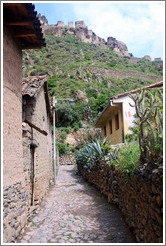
x,y
86,71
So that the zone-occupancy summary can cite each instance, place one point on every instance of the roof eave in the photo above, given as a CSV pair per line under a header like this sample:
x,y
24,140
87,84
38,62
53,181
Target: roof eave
x,y
109,104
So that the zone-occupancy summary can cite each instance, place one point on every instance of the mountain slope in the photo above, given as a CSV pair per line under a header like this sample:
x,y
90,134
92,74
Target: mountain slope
x,y
85,71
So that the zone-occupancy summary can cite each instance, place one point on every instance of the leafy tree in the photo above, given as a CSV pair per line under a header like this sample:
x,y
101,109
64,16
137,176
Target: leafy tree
x,y
67,115
98,104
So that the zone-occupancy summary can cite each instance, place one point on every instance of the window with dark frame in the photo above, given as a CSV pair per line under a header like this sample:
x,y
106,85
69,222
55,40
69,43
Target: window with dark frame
x,y
117,121
105,133
110,126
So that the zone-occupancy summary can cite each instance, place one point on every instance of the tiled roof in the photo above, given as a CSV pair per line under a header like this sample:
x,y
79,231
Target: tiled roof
x,y
156,85
32,84
22,19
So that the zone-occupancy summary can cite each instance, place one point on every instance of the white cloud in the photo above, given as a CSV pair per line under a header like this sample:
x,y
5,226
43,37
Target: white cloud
x,y
139,25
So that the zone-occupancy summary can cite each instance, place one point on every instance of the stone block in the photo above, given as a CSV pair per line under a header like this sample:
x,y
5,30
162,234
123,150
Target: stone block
x,y
9,233
23,220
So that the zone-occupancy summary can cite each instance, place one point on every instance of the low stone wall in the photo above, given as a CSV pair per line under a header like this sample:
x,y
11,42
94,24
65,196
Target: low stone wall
x,y
139,197
67,160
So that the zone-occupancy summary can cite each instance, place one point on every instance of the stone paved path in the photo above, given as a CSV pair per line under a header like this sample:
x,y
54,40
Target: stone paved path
x,y
75,212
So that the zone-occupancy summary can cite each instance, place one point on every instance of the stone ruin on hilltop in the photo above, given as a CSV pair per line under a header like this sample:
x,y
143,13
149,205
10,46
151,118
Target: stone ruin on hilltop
x,y
81,31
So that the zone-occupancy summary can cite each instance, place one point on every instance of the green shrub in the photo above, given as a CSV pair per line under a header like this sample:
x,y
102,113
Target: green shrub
x,y
33,73
72,76
67,129
91,93
111,64
87,58
105,82
105,149
63,135
73,149
129,157
80,124
62,148
36,60
76,127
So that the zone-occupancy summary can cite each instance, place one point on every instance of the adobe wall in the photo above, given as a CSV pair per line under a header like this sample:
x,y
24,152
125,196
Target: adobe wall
x,y
139,197
37,114
14,194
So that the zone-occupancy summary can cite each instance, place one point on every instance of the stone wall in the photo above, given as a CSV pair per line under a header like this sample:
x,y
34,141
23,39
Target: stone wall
x,y
14,200
60,24
67,160
80,24
70,24
139,197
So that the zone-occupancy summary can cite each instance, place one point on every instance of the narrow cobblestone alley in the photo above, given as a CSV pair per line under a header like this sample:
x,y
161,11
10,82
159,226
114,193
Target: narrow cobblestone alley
x,y
75,212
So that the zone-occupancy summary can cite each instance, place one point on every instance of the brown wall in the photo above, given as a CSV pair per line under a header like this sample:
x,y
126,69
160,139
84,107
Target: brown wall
x,y
43,168
14,213
12,110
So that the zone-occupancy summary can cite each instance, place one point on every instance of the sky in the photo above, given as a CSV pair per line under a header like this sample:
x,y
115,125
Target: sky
x,y
139,24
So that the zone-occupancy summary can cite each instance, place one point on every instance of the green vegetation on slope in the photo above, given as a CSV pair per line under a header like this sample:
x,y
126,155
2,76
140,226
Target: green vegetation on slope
x,y
75,66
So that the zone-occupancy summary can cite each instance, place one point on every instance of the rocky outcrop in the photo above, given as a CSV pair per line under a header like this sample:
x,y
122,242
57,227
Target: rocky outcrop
x,y
118,46
148,58
81,96
43,19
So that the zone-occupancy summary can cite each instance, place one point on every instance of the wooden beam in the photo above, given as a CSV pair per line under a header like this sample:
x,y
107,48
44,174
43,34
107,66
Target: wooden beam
x,y
24,34
17,21
36,127
28,47
12,4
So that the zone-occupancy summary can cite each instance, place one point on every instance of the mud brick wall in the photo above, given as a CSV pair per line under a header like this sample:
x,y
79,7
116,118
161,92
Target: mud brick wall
x,y
14,201
43,168
139,197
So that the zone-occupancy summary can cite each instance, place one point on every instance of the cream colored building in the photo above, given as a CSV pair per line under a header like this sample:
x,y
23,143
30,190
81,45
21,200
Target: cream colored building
x,y
118,116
